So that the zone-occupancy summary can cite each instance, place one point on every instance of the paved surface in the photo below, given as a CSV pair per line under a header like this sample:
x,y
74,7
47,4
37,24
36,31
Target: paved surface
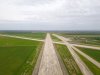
x,y
85,46
88,57
49,63
59,43
85,55
20,37
84,69
26,38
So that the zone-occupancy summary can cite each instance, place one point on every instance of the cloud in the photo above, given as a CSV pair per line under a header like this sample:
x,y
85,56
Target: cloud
x,y
69,13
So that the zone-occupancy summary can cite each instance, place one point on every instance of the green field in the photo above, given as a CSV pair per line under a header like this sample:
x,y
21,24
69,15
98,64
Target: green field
x,y
55,39
18,57
90,40
91,66
84,39
68,60
95,54
7,41
28,34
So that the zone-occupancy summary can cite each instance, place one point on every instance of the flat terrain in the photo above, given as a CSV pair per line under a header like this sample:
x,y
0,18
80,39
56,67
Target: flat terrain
x,y
49,63
39,53
17,56
55,39
91,66
84,39
4,41
87,57
68,60
91,52
35,35
84,69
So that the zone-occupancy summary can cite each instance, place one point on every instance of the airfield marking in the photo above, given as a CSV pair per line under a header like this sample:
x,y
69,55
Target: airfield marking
x,y
84,69
87,57
49,63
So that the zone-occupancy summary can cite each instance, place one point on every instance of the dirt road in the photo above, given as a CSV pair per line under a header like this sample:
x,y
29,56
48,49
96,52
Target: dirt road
x,y
49,63
84,69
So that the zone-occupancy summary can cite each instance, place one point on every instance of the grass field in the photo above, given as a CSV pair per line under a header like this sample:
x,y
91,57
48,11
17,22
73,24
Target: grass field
x,y
7,41
55,39
91,40
36,35
91,66
18,57
84,39
68,60
95,54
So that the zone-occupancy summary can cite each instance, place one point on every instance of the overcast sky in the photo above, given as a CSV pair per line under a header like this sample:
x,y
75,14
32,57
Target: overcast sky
x,y
49,14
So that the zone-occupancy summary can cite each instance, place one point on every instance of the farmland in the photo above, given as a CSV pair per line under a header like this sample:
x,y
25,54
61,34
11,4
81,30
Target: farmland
x,y
4,41
41,53
17,56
